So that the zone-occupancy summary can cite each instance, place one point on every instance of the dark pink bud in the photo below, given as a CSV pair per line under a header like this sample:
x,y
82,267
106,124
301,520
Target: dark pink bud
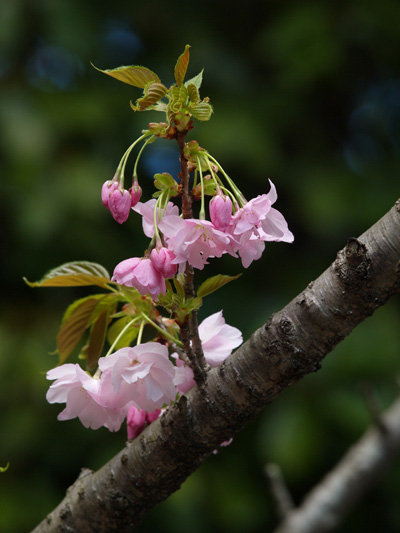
x,y
150,417
135,421
107,188
162,261
119,203
221,211
136,193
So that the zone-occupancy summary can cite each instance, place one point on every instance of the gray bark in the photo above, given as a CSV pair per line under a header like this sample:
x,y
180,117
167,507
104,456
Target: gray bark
x,y
293,343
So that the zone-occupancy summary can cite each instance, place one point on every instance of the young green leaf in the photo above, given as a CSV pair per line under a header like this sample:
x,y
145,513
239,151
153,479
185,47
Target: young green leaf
x,y
197,80
132,75
74,274
214,283
202,111
152,94
73,328
4,468
181,66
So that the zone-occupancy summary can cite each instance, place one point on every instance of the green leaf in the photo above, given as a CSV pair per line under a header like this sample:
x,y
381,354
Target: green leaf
x,y
73,328
193,93
115,329
133,75
96,339
181,66
178,98
197,80
4,468
179,288
152,94
77,273
202,111
214,283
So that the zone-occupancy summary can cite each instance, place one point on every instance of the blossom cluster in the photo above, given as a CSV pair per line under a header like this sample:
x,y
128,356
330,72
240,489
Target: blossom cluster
x,y
135,382
241,231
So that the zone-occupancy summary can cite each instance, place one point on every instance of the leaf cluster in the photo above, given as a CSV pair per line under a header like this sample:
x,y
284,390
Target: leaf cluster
x,y
180,102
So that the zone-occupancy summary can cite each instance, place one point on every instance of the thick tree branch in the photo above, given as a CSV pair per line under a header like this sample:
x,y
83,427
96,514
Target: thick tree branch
x,y
293,343
327,504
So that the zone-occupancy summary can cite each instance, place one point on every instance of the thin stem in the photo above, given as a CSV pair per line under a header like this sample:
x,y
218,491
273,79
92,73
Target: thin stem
x,y
129,324
140,334
163,332
235,190
202,215
149,140
124,158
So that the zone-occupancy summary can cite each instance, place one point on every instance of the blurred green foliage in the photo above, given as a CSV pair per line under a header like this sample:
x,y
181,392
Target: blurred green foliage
x,y
306,93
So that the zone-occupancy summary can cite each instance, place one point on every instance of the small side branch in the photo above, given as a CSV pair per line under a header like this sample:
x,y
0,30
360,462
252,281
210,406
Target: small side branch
x,y
328,503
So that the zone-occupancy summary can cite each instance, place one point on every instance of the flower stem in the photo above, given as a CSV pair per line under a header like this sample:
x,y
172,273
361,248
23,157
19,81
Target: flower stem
x,y
129,324
162,331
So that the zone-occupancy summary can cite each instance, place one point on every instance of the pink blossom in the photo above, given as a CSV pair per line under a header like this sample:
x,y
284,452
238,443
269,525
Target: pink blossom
x,y
119,203
82,395
137,419
140,273
193,240
147,211
162,260
255,223
142,374
218,339
184,378
220,211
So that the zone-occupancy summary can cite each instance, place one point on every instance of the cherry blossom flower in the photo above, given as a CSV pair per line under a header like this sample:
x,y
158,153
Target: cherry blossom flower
x,y
143,375
193,240
162,260
147,211
255,223
82,395
184,378
218,339
140,273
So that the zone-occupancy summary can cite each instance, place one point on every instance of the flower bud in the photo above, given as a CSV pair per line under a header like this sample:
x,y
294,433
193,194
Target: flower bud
x,y
136,193
107,188
162,260
119,203
221,211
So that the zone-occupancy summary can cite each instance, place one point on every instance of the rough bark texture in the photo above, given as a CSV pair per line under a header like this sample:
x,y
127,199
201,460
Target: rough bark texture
x,y
327,504
293,343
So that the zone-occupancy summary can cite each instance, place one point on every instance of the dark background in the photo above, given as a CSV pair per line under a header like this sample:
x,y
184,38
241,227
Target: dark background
x,y
306,93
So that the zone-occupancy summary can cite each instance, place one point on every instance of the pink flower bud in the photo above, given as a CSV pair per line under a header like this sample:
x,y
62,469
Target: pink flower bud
x,y
107,188
162,260
119,203
135,421
136,193
221,211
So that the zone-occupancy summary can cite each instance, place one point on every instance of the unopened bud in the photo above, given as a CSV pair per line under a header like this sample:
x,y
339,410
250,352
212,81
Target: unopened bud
x,y
221,211
119,203
107,188
162,260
